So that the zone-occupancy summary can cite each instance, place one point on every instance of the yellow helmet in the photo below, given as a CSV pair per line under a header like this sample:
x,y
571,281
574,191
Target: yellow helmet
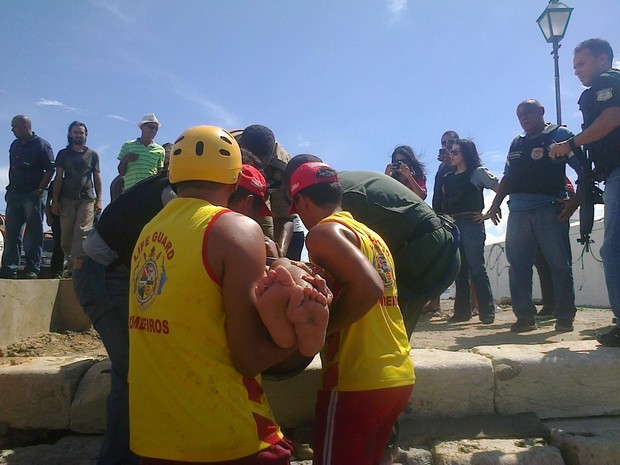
x,y
205,153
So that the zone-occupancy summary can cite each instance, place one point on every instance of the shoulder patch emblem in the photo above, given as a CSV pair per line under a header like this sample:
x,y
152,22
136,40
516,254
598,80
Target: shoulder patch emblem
x,y
604,94
537,153
149,278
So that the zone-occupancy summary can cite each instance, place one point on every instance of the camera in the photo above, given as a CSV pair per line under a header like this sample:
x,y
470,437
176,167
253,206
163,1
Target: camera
x,y
396,165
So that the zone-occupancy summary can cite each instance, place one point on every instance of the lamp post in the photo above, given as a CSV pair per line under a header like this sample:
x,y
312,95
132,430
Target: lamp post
x,y
553,23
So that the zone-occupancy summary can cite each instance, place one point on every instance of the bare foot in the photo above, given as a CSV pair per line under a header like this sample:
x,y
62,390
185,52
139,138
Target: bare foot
x,y
310,316
274,293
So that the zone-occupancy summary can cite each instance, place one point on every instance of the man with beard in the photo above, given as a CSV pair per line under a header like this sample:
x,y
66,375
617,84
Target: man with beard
x,y
74,199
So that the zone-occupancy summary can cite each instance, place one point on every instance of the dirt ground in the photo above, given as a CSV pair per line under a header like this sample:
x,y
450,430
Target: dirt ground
x,y
86,343
434,331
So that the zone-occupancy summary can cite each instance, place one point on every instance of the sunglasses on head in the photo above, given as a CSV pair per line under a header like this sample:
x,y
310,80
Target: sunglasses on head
x,y
449,141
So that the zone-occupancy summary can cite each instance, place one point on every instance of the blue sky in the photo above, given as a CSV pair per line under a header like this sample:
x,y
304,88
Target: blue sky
x,y
343,79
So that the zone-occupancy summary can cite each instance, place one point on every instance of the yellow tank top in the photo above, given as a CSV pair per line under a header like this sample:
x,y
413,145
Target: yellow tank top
x,y
187,400
373,352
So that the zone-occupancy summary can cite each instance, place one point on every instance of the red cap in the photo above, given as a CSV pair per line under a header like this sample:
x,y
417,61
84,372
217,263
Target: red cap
x,y
254,181
308,175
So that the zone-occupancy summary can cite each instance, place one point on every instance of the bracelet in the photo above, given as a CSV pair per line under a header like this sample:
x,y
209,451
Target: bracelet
x,y
571,143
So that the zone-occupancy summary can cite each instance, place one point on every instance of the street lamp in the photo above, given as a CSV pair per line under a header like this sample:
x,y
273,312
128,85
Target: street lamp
x,y
553,23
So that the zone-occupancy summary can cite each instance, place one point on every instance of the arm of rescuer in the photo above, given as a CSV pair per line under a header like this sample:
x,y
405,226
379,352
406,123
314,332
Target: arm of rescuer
x,y
236,253
334,247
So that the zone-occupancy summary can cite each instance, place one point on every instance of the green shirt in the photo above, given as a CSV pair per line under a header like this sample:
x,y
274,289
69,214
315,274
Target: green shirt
x,y
150,161
384,205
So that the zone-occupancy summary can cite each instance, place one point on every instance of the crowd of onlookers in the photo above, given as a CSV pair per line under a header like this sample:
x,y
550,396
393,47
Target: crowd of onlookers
x,y
173,272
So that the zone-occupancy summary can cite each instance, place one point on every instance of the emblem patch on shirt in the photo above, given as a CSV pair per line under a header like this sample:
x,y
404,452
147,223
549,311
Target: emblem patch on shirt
x,y
149,280
604,94
381,263
537,153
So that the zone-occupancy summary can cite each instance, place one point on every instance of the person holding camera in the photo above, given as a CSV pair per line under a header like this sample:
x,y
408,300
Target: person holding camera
x,y
408,170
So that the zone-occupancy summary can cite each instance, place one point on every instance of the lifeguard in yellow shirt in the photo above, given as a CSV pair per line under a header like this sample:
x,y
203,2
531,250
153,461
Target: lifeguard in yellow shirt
x,y
197,343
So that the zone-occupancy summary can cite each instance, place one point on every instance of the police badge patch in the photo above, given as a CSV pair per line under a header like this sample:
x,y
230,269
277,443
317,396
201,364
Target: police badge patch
x,y
604,94
537,153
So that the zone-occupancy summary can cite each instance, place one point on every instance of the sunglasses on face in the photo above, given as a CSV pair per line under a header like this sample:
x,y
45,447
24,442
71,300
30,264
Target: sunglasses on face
x,y
454,152
449,141
152,127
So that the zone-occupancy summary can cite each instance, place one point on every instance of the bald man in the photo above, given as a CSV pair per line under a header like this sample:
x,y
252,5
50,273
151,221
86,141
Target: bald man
x,y
31,166
538,218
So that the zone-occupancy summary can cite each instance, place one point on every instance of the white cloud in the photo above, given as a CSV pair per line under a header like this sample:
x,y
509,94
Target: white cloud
x,y
213,109
43,102
616,64
114,7
120,118
302,143
396,6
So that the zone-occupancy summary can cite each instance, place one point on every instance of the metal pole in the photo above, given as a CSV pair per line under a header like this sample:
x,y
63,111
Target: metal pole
x,y
558,104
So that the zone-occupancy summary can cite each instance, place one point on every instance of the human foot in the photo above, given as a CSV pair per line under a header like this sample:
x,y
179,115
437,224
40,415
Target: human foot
x,y
310,317
273,295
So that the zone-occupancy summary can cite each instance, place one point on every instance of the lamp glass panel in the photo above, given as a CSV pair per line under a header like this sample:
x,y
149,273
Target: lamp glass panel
x,y
545,25
559,21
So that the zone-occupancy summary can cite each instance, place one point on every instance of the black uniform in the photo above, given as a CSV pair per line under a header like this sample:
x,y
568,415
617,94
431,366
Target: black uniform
x,y
604,93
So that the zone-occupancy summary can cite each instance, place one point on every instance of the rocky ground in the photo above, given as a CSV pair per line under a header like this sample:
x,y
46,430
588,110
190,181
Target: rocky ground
x,y
56,344
433,332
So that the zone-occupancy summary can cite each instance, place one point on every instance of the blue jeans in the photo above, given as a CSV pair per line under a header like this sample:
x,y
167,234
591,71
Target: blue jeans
x,y
104,295
23,209
473,236
528,230
610,251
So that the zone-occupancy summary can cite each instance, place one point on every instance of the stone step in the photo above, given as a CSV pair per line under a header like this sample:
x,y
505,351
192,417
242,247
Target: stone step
x,y
563,380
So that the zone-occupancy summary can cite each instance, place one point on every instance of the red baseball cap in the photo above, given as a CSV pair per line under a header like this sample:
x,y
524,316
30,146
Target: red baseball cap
x,y
308,175
252,180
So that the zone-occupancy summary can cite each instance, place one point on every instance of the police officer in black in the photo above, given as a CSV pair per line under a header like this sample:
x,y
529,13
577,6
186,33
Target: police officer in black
x,y
600,106
538,216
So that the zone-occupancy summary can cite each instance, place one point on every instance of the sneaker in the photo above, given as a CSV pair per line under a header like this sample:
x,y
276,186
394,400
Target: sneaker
x,y
564,326
545,313
523,326
30,275
8,274
458,319
610,338
487,320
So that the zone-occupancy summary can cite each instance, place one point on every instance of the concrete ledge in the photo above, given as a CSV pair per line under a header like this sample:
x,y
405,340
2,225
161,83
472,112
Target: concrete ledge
x,y
88,409
563,380
292,400
37,393
530,451
451,384
587,441
553,380
25,308
68,314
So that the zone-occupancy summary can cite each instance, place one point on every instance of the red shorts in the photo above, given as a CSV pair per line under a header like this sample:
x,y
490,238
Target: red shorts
x,y
278,454
353,428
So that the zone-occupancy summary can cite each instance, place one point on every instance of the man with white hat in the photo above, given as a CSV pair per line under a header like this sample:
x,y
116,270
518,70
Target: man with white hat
x,y
141,157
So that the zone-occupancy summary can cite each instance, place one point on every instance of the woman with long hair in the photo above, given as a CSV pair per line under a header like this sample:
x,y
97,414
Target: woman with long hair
x,y
408,170
463,200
